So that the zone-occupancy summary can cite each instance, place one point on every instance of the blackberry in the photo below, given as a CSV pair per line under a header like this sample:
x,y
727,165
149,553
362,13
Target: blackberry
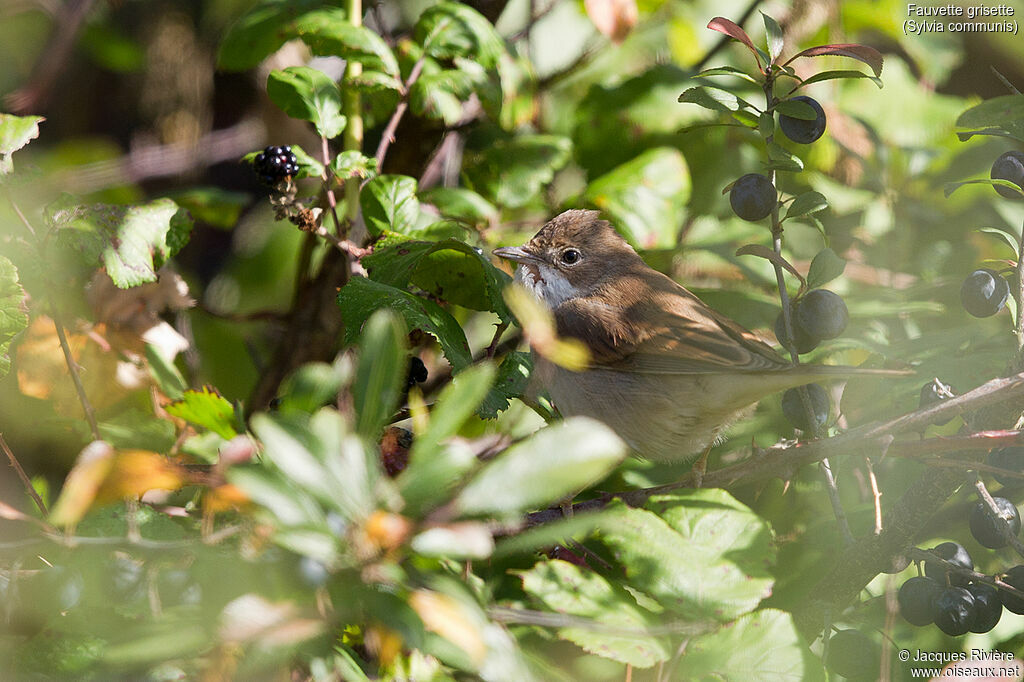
x,y
274,163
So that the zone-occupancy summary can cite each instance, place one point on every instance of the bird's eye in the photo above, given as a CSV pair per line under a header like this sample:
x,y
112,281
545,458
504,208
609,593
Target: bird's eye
x,y
570,256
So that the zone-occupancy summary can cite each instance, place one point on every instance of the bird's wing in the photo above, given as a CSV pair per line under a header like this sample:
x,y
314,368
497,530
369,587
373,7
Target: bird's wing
x,y
664,329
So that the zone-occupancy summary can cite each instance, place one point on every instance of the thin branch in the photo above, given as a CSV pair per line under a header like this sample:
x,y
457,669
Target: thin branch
x,y
1004,528
24,478
500,329
876,494
325,154
73,368
1019,296
389,130
833,497
919,555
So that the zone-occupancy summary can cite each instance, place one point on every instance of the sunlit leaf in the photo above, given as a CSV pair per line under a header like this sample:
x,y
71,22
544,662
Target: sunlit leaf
x,y
805,204
825,267
731,29
15,133
450,29
511,172
380,373
131,242
862,53
390,204
773,33
82,484
527,475
308,95
208,409
511,381
613,18
328,32
13,318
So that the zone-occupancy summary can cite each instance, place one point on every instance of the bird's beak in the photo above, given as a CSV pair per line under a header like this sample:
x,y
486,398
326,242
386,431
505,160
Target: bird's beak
x,y
519,254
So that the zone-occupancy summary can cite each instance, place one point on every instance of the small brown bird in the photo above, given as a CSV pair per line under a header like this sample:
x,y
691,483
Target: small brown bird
x,y
666,372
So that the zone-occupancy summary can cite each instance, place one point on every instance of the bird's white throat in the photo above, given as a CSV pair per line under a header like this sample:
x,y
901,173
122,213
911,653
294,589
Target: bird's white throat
x,y
546,283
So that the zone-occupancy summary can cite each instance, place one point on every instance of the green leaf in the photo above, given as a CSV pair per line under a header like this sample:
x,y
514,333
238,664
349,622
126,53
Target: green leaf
x,y
450,29
805,204
312,386
208,409
796,109
287,503
261,31
712,98
212,205
462,204
15,133
825,267
547,535
448,269
832,75
352,164
361,297
773,34
954,186
726,71
389,204
289,445
308,95
646,197
1005,237
13,317
527,475
701,553
380,373
353,463
567,589
1005,113
467,540
513,377
781,159
511,172
329,33
131,242
764,646
440,95
862,53
166,375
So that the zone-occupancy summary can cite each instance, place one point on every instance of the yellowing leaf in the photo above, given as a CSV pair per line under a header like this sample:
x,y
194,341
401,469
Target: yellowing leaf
x,y
539,329
613,18
83,482
135,472
443,615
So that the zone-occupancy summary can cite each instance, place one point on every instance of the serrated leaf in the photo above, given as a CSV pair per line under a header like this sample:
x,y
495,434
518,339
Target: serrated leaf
x,y
361,297
131,242
646,197
733,30
513,377
806,203
260,32
825,267
701,553
353,164
308,95
308,166
764,646
862,53
527,475
208,409
1004,237
565,588
511,172
13,318
390,204
449,269
773,34
380,373
440,95
327,32
832,75
15,133
462,204
450,29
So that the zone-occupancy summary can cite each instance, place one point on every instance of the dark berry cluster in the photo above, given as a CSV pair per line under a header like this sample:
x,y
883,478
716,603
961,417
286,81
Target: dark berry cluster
x,y
984,292
274,163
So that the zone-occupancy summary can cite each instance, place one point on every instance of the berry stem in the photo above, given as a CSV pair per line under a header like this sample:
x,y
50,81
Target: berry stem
x,y
1018,296
993,510
353,139
389,131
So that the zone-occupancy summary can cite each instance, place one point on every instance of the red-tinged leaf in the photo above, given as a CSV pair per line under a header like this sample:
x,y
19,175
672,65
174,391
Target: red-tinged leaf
x,y
733,30
862,53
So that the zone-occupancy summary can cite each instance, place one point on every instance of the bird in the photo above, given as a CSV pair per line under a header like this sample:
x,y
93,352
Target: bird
x,y
666,372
